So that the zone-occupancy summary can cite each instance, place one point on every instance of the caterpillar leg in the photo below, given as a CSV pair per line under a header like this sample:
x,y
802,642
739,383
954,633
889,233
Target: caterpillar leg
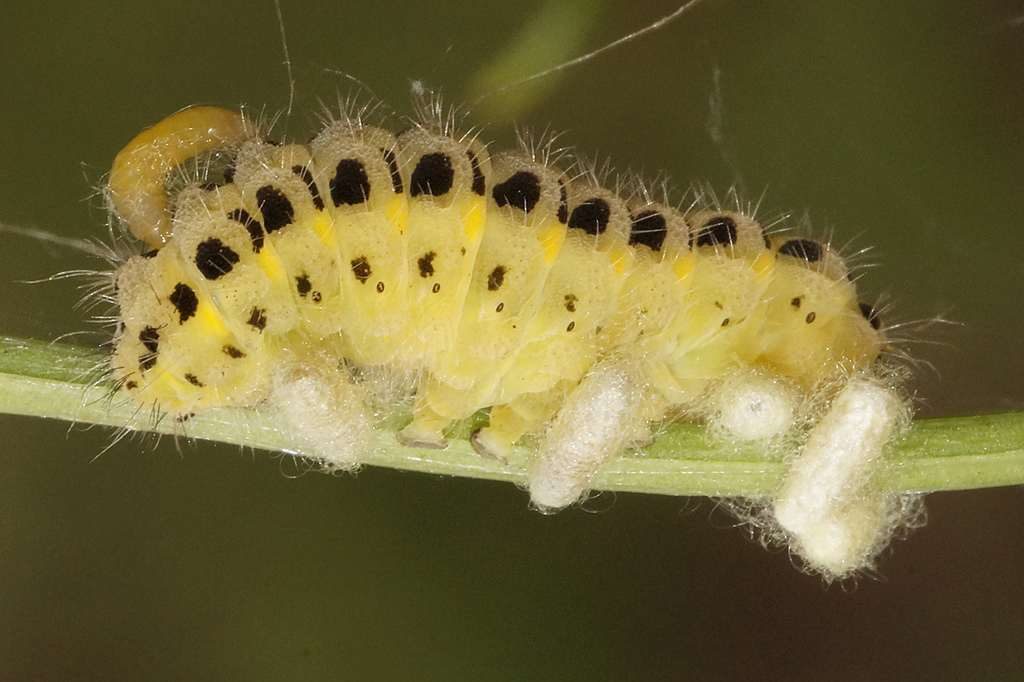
x,y
505,427
438,406
596,423
323,409
510,422
826,504
426,430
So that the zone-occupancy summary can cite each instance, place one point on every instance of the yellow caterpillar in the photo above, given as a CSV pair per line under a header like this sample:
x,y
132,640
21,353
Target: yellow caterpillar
x,y
576,314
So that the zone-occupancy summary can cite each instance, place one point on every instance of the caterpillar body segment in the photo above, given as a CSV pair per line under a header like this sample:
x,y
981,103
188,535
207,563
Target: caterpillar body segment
x,y
364,193
712,332
494,281
158,359
523,237
657,281
580,293
278,188
239,271
448,211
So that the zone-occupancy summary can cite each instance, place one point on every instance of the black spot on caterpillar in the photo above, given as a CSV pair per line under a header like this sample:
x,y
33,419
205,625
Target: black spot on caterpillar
x,y
314,191
496,278
479,181
184,300
277,210
303,285
361,269
257,318
720,230
521,190
648,228
870,315
233,352
251,225
214,258
350,185
591,216
426,264
806,249
433,175
150,339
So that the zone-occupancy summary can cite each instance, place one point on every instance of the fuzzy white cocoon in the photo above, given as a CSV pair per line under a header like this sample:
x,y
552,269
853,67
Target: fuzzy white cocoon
x,y
837,522
594,425
324,413
752,406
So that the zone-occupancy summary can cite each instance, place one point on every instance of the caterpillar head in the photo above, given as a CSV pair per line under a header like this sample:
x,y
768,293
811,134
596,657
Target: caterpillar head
x,y
815,323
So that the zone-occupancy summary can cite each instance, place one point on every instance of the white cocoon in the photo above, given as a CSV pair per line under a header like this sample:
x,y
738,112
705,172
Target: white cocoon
x,y
837,523
323,414
752,406
594,425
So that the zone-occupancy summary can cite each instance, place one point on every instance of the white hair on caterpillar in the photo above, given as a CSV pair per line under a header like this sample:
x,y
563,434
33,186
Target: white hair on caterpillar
x,y
834,517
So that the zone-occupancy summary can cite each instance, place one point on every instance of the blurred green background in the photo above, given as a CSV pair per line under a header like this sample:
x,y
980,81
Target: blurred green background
x,y
898,124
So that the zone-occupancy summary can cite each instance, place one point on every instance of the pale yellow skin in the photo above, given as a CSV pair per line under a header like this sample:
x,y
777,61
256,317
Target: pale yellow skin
x,y
496,282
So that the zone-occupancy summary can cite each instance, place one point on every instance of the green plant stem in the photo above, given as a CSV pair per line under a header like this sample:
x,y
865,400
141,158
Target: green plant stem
x,y
53,381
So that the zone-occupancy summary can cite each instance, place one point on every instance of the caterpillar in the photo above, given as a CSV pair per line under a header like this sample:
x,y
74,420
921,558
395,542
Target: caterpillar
x,y
579,310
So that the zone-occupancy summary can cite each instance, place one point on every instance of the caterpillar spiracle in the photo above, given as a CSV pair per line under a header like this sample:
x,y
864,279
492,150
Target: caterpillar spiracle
x,y
579,311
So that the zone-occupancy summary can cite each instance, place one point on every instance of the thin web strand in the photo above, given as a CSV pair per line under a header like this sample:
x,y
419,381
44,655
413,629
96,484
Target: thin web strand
x,y
629,37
